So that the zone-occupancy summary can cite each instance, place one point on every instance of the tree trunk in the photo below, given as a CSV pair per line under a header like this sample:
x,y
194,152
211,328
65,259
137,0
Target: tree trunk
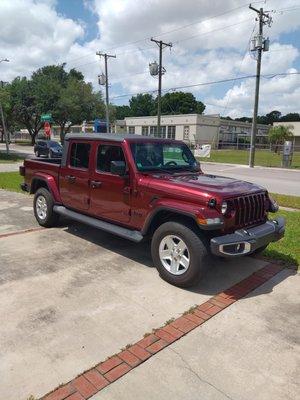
x,y
62,133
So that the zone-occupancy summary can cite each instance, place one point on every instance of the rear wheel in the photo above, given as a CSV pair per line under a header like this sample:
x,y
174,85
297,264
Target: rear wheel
x,y
43,208
179,254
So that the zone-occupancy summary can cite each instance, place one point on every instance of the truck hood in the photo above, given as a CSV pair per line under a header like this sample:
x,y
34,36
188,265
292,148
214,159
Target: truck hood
x,y
198,183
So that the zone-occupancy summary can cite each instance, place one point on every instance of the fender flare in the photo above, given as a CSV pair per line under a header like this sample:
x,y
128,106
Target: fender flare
x,y
158,209
51,184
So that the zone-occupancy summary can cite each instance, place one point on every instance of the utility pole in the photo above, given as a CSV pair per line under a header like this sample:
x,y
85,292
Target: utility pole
x,y
160,72
259,44
103,80
2,116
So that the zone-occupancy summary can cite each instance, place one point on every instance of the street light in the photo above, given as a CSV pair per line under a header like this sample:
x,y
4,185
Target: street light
x,y
2,117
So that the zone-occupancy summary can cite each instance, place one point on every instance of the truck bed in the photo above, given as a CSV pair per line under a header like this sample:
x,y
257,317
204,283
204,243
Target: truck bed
x,y
40,166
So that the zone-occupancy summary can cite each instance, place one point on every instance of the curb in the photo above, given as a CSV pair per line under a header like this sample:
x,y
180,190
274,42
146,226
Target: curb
x,y
103,374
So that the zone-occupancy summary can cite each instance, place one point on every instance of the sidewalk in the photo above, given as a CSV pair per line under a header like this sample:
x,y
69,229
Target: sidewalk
x,y
10,167
249,351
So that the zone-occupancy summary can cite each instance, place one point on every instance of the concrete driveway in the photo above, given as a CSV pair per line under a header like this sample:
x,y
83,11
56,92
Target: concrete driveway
x,y
72,296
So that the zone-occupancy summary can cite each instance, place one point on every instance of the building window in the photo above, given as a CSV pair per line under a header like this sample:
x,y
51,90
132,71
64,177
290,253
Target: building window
x,y
186,133
145,130
171,131
131,130
163,130
153,131
80,154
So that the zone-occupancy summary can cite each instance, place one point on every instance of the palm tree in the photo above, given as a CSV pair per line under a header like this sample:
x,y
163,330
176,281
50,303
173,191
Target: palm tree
x,y
279,134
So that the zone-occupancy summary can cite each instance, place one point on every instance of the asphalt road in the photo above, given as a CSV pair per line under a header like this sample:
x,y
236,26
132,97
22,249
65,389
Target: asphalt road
x,y
276,180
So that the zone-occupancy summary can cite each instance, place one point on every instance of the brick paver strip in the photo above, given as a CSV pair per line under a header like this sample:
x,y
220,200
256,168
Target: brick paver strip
x,y
103,374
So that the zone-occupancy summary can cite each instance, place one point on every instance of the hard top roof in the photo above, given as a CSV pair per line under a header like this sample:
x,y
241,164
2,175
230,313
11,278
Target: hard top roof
x,y
114,137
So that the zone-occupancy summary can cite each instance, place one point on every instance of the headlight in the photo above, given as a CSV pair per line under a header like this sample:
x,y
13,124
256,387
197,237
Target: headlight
x,y
273,206
224,207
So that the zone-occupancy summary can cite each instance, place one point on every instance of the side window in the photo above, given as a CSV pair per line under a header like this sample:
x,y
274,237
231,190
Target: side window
x,y
106,154
80,154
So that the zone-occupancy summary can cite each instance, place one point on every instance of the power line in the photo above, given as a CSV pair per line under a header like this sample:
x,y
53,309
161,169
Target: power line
x,y
169,31
178,41
268,76
244,56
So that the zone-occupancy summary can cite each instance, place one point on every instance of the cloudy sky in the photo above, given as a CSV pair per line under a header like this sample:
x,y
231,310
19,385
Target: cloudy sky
x,y
210,43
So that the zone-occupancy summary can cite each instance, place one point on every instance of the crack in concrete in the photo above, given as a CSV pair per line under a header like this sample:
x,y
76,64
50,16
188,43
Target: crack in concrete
x,y
188,367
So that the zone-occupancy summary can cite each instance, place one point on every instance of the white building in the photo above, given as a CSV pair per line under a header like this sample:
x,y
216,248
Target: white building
x,y
194,128
296,131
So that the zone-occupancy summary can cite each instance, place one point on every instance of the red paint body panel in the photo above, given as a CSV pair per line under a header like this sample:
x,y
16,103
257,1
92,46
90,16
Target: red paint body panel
x,y
134,199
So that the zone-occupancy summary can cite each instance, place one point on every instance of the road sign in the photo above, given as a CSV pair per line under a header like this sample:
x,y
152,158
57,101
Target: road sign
x,y
46,117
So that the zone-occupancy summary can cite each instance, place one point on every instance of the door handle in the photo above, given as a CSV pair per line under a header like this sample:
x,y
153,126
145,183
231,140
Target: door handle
x,y
71,178
127,190
96,184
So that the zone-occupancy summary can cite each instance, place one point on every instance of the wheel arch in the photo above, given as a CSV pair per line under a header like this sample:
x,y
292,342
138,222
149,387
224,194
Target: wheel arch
x,y
47,182
167,214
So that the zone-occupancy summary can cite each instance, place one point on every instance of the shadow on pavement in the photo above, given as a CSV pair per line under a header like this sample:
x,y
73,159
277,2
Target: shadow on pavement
x,y
222,273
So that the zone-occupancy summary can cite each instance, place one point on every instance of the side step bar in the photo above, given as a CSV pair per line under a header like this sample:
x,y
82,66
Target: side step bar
x,y
134,236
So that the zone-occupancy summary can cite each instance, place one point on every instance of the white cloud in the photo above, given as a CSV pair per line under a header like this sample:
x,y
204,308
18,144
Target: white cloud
x,y
32,34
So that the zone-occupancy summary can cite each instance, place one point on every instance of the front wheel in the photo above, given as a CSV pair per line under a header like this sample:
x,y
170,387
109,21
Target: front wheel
x,y
43,208
179,254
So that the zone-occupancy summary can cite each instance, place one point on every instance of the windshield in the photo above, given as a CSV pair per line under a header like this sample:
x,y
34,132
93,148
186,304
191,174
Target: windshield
x,y
55,145
163,156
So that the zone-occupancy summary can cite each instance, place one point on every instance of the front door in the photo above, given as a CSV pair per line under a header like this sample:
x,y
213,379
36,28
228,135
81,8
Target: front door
x,y
110,194
74,177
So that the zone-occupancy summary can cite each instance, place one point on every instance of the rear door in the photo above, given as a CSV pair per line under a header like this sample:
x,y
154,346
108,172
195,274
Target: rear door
x,y
110,194
74,176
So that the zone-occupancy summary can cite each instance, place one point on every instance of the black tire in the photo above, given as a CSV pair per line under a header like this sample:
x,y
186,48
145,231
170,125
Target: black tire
x,y
50,155
51,218
198,254
37,154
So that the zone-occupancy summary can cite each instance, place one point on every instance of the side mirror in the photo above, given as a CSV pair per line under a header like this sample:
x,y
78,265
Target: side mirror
x,y
118,168
196,166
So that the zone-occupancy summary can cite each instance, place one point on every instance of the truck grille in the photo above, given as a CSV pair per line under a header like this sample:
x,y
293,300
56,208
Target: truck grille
x,y
249,210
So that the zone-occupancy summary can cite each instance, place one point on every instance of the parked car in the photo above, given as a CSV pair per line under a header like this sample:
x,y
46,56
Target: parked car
x,y
141,188
48,148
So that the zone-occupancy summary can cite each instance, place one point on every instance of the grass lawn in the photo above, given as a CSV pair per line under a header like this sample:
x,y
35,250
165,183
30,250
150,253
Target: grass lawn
x,y
9,158
11,181
285,200
264,158
288,248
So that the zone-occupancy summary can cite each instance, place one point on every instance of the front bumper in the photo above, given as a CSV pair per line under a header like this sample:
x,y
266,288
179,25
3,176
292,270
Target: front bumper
x,y
246,241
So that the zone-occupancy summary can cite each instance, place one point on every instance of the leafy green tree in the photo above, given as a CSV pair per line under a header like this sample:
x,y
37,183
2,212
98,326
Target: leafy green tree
x,y
290,117
279,134
51,89
5,101
181,103
26,110
141,105
123,111
76,103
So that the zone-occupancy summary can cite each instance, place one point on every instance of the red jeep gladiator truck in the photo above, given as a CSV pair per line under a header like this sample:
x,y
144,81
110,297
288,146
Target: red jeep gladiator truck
x,y
141,187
